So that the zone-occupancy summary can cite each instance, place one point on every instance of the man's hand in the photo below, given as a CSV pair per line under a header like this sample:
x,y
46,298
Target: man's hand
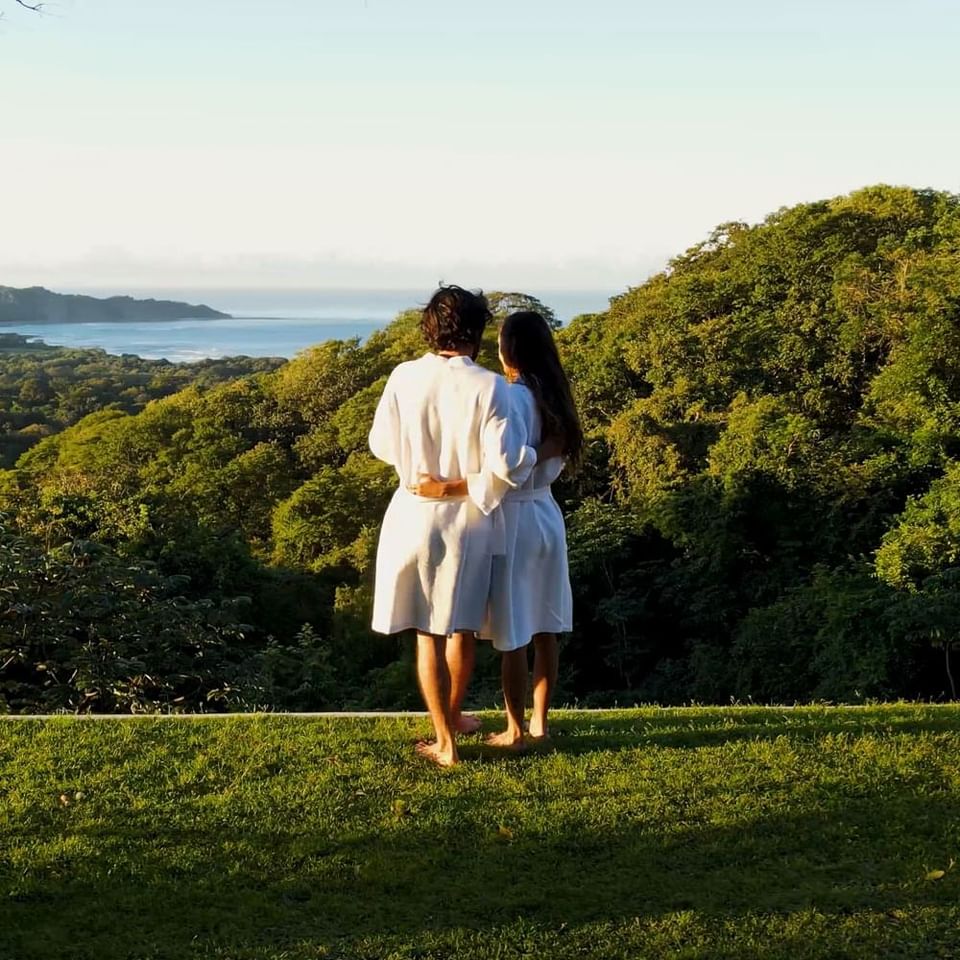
x,y
435,489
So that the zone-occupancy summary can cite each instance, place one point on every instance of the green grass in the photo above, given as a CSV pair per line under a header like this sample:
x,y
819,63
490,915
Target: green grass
x,y
689,833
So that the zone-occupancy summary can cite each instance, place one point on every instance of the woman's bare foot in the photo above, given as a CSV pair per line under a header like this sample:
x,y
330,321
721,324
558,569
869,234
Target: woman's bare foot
x,y
467,723
538,731
506,740
429,750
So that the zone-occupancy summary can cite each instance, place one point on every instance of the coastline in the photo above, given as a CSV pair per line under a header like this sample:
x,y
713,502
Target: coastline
x,y
260,323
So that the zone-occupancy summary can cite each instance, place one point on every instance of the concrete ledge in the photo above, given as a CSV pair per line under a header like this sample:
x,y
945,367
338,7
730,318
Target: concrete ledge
x,y
217,716
642,708
320,715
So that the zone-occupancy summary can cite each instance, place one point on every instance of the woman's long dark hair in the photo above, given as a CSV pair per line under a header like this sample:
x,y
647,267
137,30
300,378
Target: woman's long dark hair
x,y
527,345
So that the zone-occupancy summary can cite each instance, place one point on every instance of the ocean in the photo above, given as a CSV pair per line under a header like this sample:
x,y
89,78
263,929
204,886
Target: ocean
x,y
265,323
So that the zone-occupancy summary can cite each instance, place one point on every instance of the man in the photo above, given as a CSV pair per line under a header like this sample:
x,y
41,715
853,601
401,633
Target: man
x,y
445,417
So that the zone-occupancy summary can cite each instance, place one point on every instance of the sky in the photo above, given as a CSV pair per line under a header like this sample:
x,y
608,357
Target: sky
x,y
532,144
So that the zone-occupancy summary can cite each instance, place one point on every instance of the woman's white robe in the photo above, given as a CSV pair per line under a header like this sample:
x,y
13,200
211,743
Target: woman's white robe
x,y
530,586
447,418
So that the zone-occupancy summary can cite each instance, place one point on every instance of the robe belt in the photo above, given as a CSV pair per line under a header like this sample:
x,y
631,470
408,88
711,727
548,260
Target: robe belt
x,y
525,496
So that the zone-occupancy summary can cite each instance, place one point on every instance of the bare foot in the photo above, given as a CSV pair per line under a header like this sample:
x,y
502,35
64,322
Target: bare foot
x,y
538,732
506,741
467,723
429,750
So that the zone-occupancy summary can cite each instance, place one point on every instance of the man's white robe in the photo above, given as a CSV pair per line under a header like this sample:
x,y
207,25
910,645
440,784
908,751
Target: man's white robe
x,y
446,418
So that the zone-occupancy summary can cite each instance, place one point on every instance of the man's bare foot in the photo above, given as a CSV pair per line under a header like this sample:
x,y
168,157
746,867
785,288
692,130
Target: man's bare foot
x,y
429,750
506,741
467,723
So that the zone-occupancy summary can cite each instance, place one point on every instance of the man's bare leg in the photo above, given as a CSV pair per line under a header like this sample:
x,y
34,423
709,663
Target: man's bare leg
x,y
546,660
434,680
513,673
461,656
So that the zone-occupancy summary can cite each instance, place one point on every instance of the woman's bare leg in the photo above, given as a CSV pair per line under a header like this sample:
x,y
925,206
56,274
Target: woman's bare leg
x,y
546,661
461,656
513,674
434,677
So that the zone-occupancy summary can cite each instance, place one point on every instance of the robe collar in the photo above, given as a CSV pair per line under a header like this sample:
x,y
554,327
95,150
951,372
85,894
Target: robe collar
x,y
457,361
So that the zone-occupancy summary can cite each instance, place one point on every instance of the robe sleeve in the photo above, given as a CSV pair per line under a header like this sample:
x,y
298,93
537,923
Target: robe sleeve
x,y
508,460
385,432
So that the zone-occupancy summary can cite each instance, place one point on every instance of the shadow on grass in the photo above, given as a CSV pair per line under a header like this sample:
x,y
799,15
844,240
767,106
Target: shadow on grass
x,y
152,893
673,729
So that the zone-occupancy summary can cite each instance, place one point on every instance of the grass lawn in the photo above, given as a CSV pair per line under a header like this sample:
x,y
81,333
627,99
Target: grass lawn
x,y
684,833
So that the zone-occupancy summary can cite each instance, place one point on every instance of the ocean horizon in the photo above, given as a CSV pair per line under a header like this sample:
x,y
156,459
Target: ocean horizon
x,y
263,323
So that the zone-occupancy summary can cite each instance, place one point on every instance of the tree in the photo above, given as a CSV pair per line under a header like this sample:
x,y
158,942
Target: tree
x,y
81,630
503,304
34,7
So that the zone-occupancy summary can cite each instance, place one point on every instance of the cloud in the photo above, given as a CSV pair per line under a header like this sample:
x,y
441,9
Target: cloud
x,y
120,270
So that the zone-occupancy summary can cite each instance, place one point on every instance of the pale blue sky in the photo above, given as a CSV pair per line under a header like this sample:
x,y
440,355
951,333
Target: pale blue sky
x,y
373,143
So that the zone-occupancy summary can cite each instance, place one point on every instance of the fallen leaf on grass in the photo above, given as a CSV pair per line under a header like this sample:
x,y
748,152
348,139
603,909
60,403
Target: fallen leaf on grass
x,y
940,874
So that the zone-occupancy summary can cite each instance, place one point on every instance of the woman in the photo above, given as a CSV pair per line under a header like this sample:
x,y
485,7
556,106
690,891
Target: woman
x,y
530,596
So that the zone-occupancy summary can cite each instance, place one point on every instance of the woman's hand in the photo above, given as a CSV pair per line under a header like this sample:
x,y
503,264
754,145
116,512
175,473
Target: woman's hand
x,y
435,489
549,448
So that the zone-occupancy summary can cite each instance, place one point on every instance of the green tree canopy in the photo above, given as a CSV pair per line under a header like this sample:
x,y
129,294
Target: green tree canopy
x,y
767,507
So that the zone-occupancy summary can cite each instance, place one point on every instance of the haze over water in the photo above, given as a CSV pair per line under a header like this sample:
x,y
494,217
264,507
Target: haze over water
x,y
265,323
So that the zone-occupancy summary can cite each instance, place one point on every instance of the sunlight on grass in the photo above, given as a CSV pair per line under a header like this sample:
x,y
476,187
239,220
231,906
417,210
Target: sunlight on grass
x,y
694,833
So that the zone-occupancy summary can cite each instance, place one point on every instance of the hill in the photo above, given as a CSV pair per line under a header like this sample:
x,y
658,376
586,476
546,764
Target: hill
x,y
769,507
44,389
39,305
723,834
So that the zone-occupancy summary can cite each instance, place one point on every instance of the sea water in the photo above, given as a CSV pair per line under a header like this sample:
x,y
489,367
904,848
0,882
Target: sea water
x,y
264,323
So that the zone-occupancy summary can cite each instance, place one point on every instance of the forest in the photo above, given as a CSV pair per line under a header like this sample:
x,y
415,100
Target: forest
x,y
44,389
769,508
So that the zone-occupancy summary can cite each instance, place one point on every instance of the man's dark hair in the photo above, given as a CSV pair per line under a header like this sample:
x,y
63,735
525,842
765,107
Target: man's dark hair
x,y
455,318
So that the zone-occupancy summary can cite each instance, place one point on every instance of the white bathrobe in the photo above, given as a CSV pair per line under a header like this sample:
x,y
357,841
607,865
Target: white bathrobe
x,y
530,587
447,418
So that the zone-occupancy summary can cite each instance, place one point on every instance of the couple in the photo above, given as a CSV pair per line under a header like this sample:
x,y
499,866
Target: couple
x,y
473,541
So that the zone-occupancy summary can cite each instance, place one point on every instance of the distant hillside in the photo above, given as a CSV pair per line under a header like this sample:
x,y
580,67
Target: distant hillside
x,y
768,507
38,305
